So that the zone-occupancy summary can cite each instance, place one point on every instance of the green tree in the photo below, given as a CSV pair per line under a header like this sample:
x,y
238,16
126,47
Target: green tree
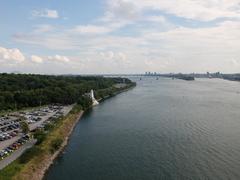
x,y
28,90
24,126
40,135
56,144
85,102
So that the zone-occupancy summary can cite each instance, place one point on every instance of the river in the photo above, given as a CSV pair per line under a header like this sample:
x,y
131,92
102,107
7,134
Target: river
x,y
162,129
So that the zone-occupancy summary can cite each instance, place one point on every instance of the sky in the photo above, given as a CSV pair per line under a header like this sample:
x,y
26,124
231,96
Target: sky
x,y
119,36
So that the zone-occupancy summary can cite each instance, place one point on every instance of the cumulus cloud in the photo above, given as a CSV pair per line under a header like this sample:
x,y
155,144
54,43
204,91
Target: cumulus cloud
x,y
11,54
12,60
36,59
58,58
45,13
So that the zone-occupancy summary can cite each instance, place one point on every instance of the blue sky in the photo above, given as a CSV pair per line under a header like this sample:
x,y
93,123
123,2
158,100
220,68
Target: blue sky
x,y
119,36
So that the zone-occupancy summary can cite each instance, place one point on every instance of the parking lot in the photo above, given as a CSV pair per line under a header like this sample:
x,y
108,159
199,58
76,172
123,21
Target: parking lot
x,y
4,162
13,140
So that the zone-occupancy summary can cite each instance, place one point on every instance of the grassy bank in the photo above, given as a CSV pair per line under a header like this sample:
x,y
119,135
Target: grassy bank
x,y
32,163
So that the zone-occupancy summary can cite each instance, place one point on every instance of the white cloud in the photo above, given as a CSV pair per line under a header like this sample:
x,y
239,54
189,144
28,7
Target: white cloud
x,y
36,59
160,19
56,41
107,55
58,58
91,29
46,13
12,60
235,62
122,56
199,49
121,9
205,10
11,54
43,28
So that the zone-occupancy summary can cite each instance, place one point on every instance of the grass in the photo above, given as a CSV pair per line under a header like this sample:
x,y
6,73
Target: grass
x,y
30,164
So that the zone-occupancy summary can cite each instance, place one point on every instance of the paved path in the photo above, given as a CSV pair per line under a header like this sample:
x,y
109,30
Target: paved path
x,y
16,154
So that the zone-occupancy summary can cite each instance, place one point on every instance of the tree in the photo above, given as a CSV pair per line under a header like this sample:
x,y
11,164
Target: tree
x,y
40,135
56,144
24,126
85,102
27,90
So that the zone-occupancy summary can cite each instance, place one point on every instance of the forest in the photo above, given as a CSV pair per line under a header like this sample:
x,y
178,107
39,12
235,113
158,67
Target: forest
x,y
27,90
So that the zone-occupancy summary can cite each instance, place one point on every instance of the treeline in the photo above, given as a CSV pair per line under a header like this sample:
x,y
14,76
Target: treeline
x,y
111,91
25,90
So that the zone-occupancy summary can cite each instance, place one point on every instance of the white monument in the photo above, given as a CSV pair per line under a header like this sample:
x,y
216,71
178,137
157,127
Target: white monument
x,y
94,101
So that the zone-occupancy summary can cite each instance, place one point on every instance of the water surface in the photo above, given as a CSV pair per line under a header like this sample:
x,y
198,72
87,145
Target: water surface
x,y
162,129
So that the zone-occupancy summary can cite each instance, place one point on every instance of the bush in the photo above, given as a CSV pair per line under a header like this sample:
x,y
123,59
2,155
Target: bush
x,y
85,102
55,144
29,154
40,135
48,127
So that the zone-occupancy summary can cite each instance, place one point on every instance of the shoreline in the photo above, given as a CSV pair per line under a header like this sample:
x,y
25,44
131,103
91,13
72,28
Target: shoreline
x,y
52,159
